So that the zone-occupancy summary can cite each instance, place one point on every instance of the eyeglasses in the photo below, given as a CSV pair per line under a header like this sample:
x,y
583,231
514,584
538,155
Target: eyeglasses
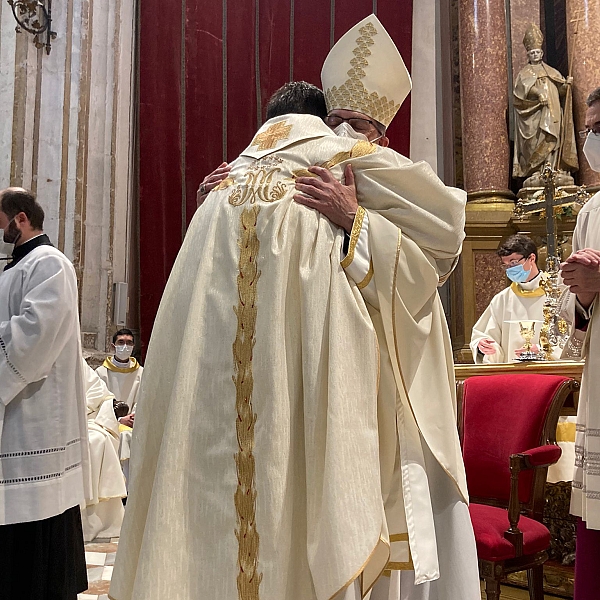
x,y
358,124
513,263
583,134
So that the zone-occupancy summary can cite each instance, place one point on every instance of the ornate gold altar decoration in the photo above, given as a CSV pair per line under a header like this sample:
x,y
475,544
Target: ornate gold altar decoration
x,y
527,330
268,139
248,579
550,203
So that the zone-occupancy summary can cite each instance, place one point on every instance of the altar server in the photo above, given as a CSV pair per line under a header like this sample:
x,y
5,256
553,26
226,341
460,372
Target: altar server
x,y
44,454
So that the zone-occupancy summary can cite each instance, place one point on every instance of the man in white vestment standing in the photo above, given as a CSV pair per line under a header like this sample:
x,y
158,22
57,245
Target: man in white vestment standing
x,y
581,272
496,336
271,459
44,455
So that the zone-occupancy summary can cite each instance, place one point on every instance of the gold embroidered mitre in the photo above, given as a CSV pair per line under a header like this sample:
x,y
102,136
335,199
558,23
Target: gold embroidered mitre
x,y
534,38
364,72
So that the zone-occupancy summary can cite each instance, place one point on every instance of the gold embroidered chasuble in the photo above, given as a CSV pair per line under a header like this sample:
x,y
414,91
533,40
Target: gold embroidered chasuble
x,y
256,462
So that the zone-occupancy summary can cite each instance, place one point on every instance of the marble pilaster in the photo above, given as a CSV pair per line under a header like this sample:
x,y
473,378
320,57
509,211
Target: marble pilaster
x,y
583,32
484,96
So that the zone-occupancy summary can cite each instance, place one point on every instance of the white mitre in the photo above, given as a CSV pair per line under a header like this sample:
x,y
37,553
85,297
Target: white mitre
x,y
364,72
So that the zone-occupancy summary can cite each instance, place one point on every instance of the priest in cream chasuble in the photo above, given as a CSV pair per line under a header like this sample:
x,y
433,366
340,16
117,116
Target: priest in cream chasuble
x,y
289,431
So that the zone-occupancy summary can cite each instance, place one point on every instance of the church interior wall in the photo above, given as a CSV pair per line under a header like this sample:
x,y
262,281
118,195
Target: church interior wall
x,y
65,133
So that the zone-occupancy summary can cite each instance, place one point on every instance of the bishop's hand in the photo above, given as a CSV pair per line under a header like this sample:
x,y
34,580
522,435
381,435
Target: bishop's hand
x,y
327,195
211,181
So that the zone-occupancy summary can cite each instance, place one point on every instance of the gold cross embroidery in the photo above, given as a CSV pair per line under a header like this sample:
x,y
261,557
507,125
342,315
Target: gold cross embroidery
x,y
268,139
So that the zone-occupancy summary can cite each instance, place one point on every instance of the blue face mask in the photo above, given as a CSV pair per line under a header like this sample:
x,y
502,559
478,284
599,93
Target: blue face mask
x,y
518,274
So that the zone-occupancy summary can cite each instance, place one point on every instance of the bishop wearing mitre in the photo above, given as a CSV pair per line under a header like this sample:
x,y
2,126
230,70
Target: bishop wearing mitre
x,y
296,437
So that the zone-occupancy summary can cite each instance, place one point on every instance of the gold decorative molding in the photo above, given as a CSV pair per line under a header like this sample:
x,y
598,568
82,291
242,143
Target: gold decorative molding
x,y
248,579
556,367
491,196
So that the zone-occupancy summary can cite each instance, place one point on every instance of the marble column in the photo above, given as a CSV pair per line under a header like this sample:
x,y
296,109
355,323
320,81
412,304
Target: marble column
x,y
583,30
484,98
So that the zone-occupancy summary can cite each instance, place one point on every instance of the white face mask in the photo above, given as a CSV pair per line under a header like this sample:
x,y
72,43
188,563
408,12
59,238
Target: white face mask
x,y
7,248
123,352
591,149
346,130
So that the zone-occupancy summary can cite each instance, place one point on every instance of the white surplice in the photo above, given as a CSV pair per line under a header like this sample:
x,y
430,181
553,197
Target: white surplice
x,y
44,454
102,515
96,391
262,407
585,497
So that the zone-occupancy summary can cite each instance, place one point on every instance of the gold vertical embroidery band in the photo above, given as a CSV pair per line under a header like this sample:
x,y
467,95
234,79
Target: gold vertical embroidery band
x,y
248,579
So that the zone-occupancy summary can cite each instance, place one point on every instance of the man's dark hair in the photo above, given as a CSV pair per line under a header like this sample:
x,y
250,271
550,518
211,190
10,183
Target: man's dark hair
x,y
17,200
123,331
518,244
593,97
297,97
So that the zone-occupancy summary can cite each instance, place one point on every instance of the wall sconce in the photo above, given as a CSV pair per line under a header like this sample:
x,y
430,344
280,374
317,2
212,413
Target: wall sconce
x,y
35,17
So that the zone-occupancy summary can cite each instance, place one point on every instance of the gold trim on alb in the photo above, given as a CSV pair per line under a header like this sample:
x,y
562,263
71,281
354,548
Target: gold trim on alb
x,y
248,579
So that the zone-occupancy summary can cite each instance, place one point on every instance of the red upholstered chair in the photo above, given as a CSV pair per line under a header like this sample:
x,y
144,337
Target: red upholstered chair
x,y
508,433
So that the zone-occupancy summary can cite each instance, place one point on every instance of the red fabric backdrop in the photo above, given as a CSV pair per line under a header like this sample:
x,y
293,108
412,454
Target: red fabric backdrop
x,y
206,72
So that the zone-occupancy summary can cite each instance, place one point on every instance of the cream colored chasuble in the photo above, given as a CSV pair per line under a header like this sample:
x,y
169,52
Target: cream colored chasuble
x,y
256,456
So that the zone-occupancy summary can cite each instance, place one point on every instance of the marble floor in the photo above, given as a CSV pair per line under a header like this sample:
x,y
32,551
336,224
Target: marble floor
x,y
99,558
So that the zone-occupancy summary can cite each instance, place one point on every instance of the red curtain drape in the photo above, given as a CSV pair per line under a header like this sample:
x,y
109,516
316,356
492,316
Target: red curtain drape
x,y
206,72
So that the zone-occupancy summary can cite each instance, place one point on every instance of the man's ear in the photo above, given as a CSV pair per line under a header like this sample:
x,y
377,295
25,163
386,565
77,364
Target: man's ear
x,y
21,219
383,141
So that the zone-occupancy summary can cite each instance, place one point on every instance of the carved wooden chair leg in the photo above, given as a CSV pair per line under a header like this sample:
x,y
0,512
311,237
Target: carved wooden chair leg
x,y
535,578
492,589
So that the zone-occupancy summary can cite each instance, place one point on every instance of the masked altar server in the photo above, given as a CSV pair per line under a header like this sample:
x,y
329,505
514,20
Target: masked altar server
x,y
44,454
496,336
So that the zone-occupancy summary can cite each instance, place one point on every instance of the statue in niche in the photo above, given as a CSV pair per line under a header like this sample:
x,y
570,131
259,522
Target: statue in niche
x,y
544,131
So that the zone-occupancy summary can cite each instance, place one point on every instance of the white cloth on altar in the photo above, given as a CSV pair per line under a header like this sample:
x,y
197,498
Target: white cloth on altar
x,y
102,515
44,454
498,323
585,496
318,458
